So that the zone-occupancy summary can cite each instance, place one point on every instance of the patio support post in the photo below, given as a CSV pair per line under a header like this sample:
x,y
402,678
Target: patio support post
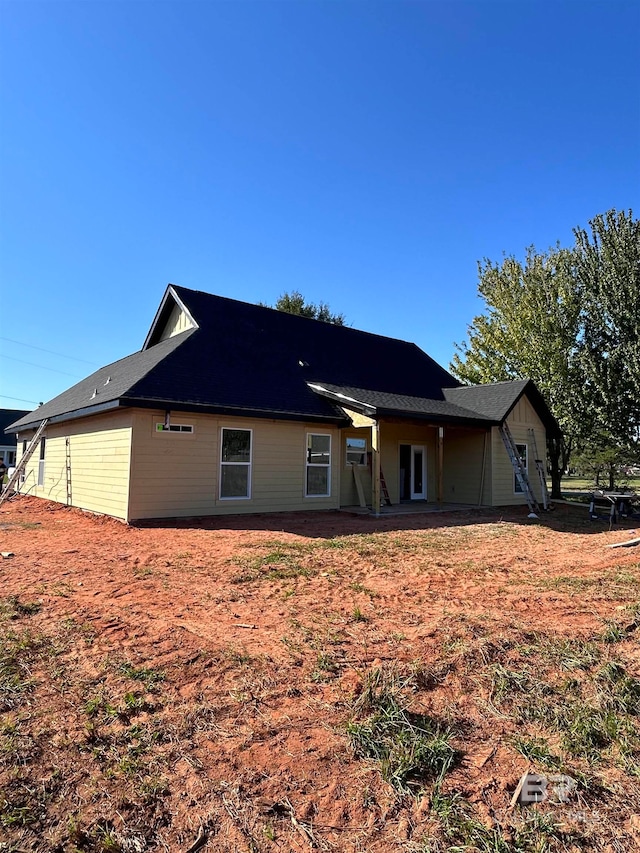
x,y
440,464
375,452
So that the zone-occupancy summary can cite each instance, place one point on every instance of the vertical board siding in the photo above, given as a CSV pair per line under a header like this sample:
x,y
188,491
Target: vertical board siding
x,y
464,457
348,491
100,449
177,474
520,421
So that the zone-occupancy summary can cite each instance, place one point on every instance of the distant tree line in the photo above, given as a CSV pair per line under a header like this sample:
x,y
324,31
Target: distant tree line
x,y
569,318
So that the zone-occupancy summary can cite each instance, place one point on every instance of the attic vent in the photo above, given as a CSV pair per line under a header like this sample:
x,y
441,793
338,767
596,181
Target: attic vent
x,y
303,363
95,393
108,380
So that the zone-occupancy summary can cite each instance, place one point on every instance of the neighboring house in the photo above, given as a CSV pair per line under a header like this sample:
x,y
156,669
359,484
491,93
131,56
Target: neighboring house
x,y
8,440
236,408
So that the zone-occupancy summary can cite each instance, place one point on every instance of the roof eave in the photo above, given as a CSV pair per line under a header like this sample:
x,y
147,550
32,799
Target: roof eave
x,y
67,416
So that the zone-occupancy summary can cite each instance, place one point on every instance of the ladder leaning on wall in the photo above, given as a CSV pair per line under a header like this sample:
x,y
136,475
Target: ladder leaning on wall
x,y
22,464
520,470
540,468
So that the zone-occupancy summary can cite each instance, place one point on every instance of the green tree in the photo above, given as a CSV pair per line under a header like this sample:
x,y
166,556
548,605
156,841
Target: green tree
x,y
294,303
607,258
530,329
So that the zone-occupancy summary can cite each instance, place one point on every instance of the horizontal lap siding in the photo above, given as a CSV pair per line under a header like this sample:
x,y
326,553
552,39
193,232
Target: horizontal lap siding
x,y
100,450
520,421
176,474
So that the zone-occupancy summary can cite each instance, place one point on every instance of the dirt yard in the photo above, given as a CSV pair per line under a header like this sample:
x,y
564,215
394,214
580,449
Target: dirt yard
x,y
317,681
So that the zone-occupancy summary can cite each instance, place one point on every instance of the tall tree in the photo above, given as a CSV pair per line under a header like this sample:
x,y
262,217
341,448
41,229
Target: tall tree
x,y
608,271
530,330
294,303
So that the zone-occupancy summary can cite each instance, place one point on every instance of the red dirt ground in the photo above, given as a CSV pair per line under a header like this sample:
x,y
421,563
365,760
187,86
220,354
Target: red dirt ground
x,y
263,628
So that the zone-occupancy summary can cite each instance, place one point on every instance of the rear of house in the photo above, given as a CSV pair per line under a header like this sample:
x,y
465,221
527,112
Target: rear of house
x,y
190,426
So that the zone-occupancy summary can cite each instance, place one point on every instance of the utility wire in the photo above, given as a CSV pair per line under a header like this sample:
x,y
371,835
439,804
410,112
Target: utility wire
x,y
51,352
40,366
19,399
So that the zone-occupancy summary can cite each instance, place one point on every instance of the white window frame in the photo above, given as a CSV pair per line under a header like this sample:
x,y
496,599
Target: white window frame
x,y
174,429
363,453
316,465
248,464
42,460
517,488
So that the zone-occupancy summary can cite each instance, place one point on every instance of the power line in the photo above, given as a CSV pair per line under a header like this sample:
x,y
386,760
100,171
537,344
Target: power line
x,y
51,352
40,366
19,399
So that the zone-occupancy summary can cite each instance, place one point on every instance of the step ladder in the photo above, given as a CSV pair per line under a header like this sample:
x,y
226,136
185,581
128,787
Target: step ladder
x,y
540,468
67,456
520,470
22,464
384,491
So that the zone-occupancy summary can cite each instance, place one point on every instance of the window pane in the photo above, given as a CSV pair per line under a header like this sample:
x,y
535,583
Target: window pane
x,y
317,481
236,445
234,481
356,450
318,449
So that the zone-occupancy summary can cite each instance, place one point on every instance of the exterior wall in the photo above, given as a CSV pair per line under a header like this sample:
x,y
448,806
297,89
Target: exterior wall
x,y
348,490
394,434
100,450
520,421
466,452
177,322
177,474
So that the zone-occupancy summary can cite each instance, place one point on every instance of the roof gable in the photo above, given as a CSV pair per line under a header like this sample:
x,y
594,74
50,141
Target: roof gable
x,y
497,399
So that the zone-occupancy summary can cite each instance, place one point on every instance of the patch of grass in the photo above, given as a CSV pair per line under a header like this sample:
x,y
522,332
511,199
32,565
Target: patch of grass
x,y
460,830
279,564
13,608
16,653
536,749
326,666
358,616
358,587
149,677
409,748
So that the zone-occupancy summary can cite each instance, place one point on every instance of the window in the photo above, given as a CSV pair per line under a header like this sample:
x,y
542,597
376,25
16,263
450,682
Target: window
x,y
43,443
318,480
235,463
356,451
174,428
524,458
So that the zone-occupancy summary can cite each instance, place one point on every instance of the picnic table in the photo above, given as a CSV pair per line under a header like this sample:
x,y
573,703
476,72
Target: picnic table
x,y
618,504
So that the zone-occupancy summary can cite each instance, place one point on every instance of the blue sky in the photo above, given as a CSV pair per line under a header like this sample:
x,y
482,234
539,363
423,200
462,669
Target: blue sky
x,y
367,154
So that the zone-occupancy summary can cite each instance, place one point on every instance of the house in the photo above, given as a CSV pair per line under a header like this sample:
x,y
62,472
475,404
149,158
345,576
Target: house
x,y
236,408
8,440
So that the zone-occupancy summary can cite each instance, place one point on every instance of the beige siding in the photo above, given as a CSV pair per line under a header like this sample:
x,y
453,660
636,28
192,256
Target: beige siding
x,y
99,450
466,452
177,322
520,421
176,474
392,435
348,490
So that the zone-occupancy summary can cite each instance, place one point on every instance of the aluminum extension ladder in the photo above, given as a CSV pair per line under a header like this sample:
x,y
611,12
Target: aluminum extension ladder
x,y
22,464
520,471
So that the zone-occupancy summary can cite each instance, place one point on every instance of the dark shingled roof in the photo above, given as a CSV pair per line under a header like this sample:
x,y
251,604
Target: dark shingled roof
x,y
7,417
497,399
381,403
249,360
